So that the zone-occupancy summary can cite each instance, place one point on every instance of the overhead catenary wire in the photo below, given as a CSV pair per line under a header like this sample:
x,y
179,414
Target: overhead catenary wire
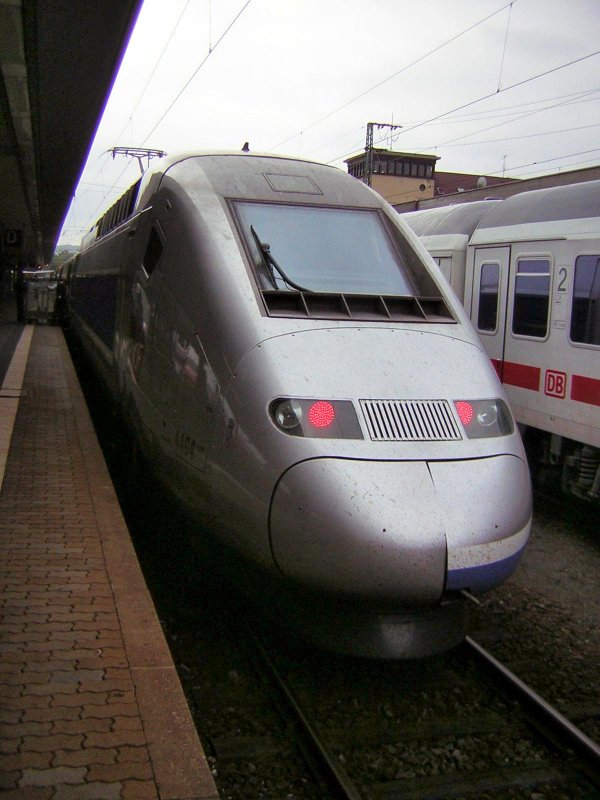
x,y
500,124
506,89
581,96
515,138
470,103
579,164
394,75
573,98
197,70
136,104
503,36
156,66
504,48
548,160
181,91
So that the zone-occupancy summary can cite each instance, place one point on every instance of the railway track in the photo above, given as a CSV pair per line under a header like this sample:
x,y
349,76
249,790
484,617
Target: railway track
x,y
561,758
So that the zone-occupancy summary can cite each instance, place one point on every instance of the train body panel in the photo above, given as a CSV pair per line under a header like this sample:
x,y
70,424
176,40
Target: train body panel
x,y
553,384
302,378
532,290
445,233
384,538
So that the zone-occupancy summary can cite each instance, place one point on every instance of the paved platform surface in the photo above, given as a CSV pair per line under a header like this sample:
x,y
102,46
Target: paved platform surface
x,y
90,703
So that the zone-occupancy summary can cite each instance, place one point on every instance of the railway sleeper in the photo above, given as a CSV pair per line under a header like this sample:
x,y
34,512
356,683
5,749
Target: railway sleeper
x,y
443,787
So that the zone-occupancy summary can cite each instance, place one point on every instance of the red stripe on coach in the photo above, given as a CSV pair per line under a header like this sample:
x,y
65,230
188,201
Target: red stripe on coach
x,y
585,390
521,375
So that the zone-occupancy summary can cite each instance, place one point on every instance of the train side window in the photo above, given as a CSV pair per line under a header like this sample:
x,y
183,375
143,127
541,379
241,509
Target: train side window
x,y
585,310
489,283
153,252
532,297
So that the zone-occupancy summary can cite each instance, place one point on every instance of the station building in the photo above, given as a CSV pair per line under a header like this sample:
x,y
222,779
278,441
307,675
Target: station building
x,y
410,181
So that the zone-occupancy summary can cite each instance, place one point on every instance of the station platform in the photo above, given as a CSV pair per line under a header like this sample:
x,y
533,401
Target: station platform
x,y
91,706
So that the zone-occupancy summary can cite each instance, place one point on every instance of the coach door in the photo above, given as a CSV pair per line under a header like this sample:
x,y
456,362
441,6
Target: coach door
x,y
488,305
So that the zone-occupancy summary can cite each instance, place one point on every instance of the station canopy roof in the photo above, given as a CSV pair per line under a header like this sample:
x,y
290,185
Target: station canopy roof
x,y
58,62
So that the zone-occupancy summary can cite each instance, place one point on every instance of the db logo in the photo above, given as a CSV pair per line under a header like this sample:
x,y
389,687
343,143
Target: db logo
x,y
555,383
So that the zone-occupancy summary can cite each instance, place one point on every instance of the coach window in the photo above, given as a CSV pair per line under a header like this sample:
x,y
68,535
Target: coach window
x,y
585,311
489,281
532,297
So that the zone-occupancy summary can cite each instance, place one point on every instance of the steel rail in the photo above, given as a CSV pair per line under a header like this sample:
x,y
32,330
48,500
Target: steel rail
x,y
574,738
336,775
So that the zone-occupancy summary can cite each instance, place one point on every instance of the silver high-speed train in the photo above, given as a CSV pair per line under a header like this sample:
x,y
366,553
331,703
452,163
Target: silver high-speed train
x,y
297,371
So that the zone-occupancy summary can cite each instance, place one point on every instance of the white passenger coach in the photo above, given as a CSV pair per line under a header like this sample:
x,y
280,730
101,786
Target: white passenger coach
x,y
528,272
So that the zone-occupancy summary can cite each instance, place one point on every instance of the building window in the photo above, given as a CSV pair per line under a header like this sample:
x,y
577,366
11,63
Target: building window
x,y
585,311
413,170
489,282
532,298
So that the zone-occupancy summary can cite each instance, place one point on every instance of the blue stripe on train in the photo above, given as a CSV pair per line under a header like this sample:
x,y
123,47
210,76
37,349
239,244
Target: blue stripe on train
x,y
483,577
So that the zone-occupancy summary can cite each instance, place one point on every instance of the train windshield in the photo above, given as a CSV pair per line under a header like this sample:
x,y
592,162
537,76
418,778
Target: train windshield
x,y
323,250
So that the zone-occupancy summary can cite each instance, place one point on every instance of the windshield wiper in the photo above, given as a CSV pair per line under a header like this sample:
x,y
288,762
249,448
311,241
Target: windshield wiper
x,y
270,263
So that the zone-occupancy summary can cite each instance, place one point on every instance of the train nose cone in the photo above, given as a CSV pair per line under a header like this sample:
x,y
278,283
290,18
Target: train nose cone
x,y
487,508
361,528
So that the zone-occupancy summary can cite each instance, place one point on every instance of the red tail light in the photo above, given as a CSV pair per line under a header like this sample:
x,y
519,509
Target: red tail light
x,y
465,411
321,414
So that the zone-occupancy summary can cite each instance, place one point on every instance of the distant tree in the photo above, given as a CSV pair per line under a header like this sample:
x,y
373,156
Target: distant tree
x,y
62,254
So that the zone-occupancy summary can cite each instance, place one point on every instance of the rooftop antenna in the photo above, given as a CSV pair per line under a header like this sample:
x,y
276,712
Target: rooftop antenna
x,y
369,146
139,153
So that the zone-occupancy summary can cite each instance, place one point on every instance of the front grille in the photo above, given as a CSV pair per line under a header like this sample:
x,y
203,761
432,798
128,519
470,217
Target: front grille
x,y
410,420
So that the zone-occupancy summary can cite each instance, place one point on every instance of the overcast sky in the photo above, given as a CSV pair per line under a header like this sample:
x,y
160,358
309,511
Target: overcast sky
x,y
304,77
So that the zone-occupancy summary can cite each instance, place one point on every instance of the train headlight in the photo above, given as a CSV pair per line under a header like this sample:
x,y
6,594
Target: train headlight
x,y
488,415
331,419
484,418
287,414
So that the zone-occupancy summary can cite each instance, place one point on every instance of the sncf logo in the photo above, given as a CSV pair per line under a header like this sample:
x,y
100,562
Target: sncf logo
x,y
555,383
